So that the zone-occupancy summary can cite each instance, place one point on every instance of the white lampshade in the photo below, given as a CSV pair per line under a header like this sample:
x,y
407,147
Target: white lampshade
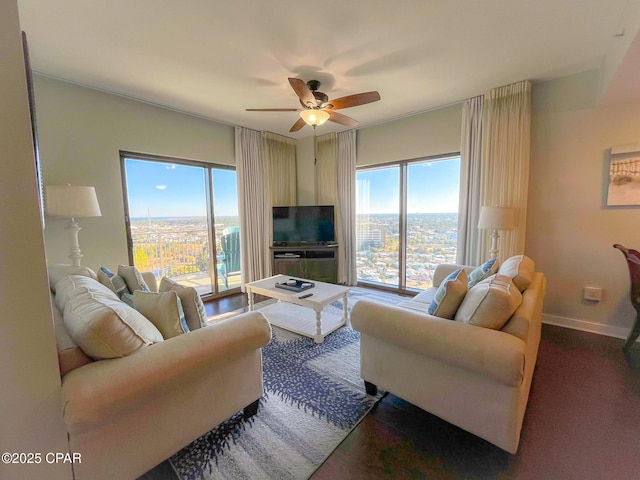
x,y
314,117
71,201
497,218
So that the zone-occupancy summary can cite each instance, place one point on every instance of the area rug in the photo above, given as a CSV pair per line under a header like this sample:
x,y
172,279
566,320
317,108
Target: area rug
x,y
313,398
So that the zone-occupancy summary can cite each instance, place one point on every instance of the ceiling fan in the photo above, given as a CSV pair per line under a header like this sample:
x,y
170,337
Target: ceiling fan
x,y
317,108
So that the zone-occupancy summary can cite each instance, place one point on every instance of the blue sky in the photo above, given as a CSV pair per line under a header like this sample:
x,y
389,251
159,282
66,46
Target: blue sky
x,y
432,187
158,189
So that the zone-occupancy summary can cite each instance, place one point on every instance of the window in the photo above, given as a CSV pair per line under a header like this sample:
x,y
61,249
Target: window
x,y
180,215
407,221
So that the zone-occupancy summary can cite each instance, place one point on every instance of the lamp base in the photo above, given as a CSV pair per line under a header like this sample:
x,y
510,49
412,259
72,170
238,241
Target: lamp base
x,y
76,254
493,253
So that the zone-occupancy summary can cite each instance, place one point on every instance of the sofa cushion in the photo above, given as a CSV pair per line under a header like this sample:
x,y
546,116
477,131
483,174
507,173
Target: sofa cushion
x,y
490,303
520,268
192,305
101,324
449,295
483,271
112,281
164,310
133,278
58,271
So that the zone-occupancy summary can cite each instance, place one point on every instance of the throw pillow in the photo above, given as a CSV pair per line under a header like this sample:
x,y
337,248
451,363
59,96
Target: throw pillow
x,y
449,295
485,270
112,281
520,268
133,278
490,303
59,271
194,310
70,355
164,310
127,298
99,323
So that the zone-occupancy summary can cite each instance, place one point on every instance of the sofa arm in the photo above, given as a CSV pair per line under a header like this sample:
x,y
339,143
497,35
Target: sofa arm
x,y
492,353
93,393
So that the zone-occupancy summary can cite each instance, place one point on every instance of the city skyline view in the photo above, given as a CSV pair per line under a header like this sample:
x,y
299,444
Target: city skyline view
x,y
168,209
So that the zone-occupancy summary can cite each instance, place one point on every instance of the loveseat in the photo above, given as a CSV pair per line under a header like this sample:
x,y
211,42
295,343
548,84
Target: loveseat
x,y
475,377
126,414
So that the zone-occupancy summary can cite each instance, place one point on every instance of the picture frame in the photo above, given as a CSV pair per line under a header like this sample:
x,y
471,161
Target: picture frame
x,y
623,184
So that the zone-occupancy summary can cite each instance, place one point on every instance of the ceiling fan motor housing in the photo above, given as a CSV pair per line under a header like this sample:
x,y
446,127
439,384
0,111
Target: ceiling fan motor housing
x,y
321,97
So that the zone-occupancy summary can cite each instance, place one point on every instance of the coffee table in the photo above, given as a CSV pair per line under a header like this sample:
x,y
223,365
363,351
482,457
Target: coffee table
x,y
297,314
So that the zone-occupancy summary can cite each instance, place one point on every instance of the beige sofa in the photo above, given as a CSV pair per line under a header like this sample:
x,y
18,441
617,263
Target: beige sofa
x,y
125,415
474,377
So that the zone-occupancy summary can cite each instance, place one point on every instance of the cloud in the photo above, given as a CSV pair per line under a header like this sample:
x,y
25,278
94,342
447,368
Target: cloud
x,y
161,187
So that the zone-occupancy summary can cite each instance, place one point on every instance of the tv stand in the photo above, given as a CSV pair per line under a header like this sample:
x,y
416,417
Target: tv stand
x,y
311,261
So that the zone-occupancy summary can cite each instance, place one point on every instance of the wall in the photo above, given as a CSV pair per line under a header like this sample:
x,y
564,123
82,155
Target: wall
x,y
81,134
570,232
431,133
30,401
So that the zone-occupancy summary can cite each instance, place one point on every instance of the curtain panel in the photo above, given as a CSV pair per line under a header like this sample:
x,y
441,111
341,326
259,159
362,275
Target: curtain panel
x,y
470,171
346,173
254,203
335,185
505,161
280,156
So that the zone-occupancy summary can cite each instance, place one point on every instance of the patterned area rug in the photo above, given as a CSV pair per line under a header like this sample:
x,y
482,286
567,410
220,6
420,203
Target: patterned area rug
x,y
313,398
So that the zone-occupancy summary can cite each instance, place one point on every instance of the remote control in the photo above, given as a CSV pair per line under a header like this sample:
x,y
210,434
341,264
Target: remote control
x,y
305,296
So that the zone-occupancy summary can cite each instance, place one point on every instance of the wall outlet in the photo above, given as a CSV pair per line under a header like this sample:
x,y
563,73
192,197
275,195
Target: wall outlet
x,y
592,293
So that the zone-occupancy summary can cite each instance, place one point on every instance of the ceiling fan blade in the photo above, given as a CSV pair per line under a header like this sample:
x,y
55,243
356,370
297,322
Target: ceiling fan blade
x,y
354,100
341,119
298,125
271,109
303,92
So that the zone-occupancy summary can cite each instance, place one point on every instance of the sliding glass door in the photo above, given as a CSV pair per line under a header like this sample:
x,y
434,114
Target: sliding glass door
x,y
378,225
182,220
407,221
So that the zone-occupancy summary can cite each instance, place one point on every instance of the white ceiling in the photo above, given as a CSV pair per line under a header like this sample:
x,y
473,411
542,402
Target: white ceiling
x,y
214,58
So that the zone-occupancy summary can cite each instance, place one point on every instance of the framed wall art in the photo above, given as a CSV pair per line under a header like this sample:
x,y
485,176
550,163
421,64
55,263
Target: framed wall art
x,y
623,187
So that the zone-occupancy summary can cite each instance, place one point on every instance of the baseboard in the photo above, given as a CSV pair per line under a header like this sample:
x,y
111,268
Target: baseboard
x,y
583,325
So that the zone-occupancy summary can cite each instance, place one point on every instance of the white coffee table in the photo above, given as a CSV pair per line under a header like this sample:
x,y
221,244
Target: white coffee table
x,y
297,314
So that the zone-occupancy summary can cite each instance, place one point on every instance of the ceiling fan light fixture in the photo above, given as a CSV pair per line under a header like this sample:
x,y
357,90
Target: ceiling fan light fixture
x,y
314,117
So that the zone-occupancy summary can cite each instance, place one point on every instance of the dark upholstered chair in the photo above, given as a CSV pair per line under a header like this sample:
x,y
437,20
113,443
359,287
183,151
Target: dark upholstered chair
x,y
633,262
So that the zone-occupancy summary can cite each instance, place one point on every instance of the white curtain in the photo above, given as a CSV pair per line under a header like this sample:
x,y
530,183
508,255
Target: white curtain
x,y
470,175
505,165
280,157
254,203
327,190
326,152
346,172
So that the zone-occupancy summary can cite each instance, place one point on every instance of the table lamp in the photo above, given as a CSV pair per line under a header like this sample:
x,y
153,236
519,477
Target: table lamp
x,y
496,219
72,201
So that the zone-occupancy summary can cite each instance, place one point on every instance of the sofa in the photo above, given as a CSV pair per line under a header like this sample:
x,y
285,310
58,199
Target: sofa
x,y
151,397
476,376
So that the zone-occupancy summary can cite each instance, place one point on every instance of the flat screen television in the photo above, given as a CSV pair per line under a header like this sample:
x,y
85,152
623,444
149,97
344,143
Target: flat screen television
x,y
303,224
